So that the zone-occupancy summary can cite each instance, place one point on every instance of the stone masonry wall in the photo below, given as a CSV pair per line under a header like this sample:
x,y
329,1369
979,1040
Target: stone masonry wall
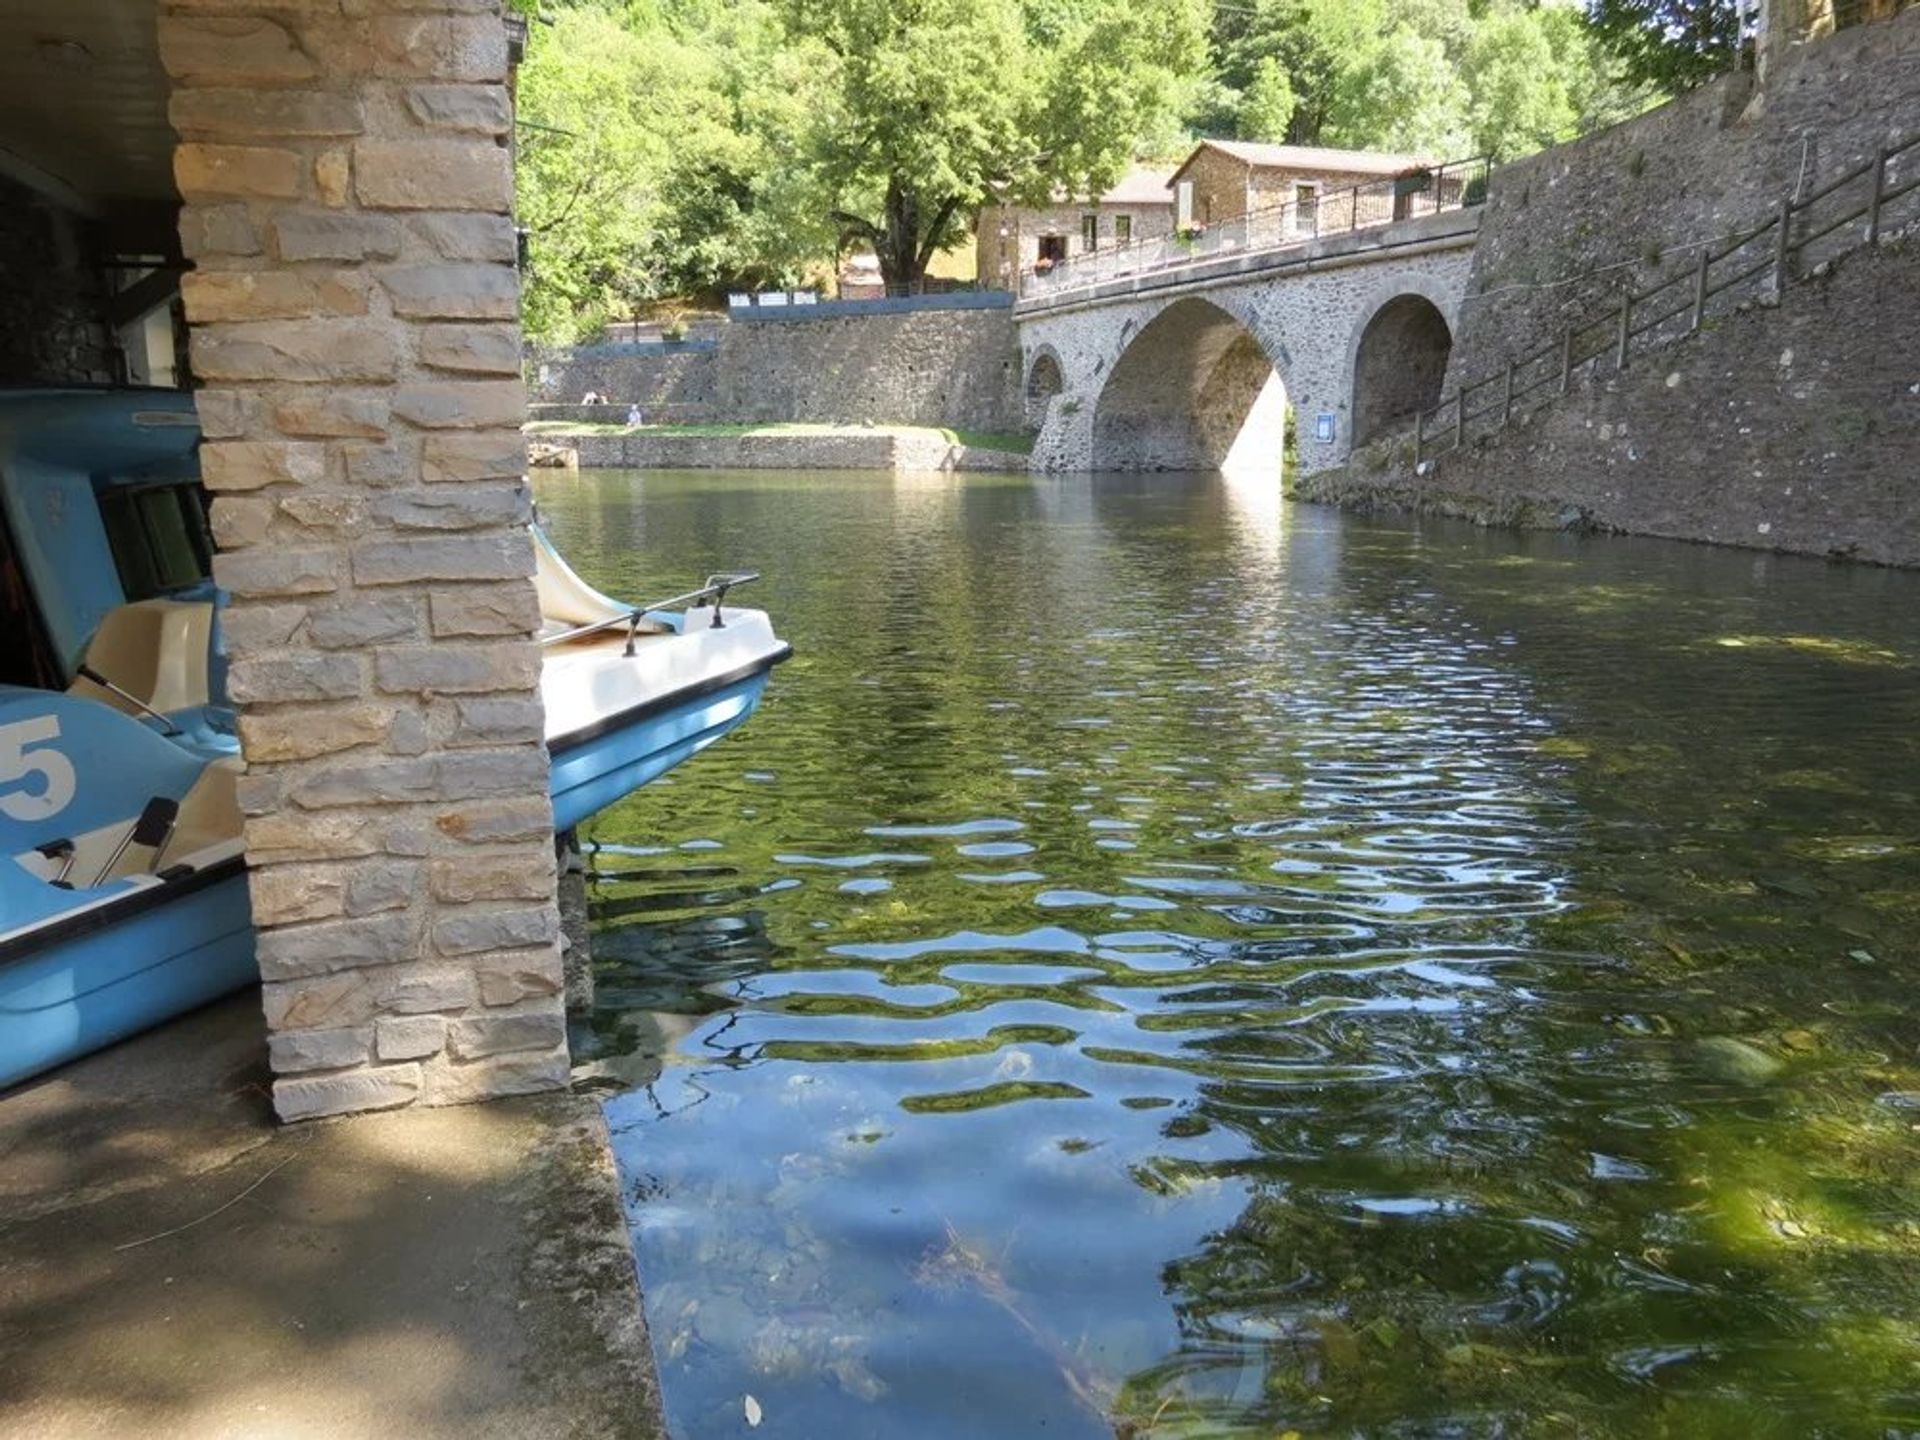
x,y
354,306
1000,260
679,379
1221,186
918,367
1273,185
1564,231
1790,427
52,308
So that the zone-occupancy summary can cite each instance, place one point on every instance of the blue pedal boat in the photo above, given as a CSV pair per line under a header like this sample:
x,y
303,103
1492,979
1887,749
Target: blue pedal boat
x,y
105,561
123,894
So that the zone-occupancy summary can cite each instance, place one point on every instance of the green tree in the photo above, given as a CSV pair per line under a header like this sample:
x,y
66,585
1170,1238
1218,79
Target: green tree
x,y
1374,74
1266,110
936,106
1400,94
1436,76
1671,44
656,158
597,101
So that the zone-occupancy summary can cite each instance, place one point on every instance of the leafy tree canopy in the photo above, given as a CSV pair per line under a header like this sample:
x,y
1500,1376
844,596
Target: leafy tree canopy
x,y
1671,44
689,147
934,107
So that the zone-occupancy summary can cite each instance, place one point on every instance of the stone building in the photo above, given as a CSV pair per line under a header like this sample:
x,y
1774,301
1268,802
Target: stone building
x,y
322,191
1012,239
1223,180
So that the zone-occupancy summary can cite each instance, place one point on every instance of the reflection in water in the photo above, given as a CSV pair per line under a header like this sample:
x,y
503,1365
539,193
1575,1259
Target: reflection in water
x,y
1165,963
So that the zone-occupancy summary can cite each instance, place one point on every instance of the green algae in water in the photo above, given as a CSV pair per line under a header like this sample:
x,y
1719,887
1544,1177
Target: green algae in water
x,y
1468,996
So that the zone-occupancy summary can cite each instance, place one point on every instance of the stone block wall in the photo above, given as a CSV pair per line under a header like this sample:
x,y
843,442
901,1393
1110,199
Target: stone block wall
x,y
52,305
1222,186
955,367
680,379
1791,427
1000,260
924,366
1565,231
354,304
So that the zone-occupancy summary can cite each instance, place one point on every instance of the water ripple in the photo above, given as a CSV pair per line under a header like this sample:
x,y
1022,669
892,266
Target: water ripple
x,y
1345,979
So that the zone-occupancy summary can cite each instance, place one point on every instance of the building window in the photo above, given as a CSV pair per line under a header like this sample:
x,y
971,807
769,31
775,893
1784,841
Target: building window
x,y
1089,232
159,537
1306,208
1183,205
1053,249
1123,229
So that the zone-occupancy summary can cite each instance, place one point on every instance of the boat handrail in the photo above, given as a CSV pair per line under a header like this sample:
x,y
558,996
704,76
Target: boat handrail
x,y
715,588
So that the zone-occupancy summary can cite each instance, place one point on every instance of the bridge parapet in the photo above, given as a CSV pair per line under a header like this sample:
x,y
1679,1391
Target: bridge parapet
x,y
1449,229
1274,231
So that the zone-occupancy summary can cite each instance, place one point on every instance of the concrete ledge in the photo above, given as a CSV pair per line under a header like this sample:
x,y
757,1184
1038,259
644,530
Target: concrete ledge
x,y
693,345
891,305
902,449
175,1266
654,412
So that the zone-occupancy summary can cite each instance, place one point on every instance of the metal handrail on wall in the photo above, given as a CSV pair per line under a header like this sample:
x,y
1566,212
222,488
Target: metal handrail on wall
x,y
1770,253
1459,184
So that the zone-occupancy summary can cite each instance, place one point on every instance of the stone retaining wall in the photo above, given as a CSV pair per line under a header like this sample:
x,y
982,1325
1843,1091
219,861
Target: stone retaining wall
x,y
354,305
651,375
931,366
898,451
1563,232
1791,427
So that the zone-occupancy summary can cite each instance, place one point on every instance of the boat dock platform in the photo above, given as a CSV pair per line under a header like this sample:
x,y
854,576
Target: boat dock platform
x,y
172,1263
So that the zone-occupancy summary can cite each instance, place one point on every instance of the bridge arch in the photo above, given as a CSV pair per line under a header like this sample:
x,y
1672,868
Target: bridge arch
x,y
1194,389
1045,379
1398,359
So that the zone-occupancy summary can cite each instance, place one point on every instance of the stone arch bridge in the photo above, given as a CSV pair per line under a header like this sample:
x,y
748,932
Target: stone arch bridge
x,y
1192,367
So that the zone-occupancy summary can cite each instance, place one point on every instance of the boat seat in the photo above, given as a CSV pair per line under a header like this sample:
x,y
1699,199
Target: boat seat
x,y
207,826
209,814
566,601
155,649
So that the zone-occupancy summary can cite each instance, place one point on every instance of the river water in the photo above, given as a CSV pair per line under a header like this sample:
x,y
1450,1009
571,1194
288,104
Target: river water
x,y
1168,963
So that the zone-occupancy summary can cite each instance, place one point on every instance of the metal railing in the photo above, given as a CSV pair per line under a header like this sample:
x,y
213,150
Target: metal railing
x,y
1851,210
911,290
1457,185
633,620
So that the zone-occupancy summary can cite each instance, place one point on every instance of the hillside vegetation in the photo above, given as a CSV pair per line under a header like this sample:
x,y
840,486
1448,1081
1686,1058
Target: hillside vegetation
x,y
689,147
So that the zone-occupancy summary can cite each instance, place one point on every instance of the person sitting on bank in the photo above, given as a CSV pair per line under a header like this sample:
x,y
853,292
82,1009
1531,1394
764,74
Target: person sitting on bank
x,y
633,414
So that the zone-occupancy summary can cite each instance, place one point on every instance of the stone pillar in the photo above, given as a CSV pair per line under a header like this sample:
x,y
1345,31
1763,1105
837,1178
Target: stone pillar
x,y
354,306
1782,24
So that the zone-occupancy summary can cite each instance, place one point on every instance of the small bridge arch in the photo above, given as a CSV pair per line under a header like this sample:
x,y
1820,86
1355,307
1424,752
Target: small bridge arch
x,y
1192,366
1398,359
1194,389
1045,379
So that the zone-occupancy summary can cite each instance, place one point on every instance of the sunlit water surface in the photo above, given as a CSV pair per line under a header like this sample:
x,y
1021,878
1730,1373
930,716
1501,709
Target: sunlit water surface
x,y
1165,963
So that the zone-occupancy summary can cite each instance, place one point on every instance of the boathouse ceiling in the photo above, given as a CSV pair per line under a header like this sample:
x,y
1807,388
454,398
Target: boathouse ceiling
x,y
83,107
